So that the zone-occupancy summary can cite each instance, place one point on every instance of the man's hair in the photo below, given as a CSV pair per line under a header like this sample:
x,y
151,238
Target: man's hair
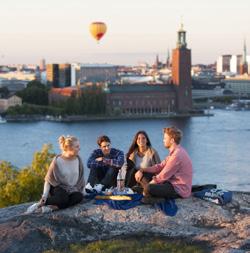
x,y
102,139
174,133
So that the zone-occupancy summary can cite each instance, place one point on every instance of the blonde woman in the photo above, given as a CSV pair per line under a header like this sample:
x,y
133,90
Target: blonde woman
x,y
64,181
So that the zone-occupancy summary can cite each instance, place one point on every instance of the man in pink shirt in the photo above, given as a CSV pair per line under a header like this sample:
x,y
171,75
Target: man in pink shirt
x,y
173,176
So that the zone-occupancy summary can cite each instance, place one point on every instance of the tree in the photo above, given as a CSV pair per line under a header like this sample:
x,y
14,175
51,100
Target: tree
x,y
35,93
4,92
18,186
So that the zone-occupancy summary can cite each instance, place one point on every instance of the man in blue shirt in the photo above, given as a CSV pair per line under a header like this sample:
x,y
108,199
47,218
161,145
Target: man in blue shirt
x,y
104,164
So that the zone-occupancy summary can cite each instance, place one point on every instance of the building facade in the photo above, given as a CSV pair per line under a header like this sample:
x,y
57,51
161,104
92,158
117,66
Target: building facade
x,y
6,103
141,99
235,64
98,73
223,63
64,75
238,86
52,73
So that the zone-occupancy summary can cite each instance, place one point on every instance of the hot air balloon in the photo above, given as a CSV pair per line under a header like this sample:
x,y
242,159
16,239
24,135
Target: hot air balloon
x,y
97,29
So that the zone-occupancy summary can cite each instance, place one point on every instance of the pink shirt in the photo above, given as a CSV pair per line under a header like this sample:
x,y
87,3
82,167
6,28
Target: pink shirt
x,y
176,169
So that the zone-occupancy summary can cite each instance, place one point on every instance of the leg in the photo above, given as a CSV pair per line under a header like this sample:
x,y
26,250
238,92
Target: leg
x,y
110,177
75,198
59,197
165,190
95,176
145,183
130,177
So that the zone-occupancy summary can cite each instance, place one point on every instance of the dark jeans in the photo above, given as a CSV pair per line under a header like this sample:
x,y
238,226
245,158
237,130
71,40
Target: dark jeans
x,y
62,199
130,174
165,190
104,176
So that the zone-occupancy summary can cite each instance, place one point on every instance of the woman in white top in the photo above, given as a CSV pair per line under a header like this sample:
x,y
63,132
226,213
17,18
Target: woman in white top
x,y
64,181
140,155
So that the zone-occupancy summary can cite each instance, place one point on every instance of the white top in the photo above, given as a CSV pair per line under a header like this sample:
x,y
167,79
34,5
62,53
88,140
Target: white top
x,y
69,170
140,162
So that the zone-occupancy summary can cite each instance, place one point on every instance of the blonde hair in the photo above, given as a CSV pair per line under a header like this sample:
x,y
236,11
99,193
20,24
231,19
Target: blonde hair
x,y
174,133
66,141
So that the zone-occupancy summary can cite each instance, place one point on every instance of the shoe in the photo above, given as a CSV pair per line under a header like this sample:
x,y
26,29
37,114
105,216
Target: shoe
x,y
46,209
98,188
128,191
89,188
152,200
32,208
137,188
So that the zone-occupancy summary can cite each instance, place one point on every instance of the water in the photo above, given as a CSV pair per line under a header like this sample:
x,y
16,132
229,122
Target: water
x,y
219,146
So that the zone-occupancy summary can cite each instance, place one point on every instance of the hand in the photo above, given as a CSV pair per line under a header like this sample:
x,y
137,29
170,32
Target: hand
x,y
42,201
138,176
99,159
120,184
152,182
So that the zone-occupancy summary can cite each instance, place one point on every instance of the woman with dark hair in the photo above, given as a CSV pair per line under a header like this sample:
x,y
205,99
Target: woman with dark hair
x,y
140,155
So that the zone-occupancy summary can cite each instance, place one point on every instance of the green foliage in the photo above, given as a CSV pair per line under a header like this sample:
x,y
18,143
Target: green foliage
x,y
225,100
134,245
35,93
4,92
25,185
91,102
27,109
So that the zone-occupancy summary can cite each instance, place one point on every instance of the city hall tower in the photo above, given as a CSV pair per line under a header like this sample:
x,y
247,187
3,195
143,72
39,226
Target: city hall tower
x,y
181,72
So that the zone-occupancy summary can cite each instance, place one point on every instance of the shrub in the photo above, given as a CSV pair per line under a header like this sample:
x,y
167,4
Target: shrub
x,y
24,185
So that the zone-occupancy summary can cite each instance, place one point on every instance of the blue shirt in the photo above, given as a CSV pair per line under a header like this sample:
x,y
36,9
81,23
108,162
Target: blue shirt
x,y
115,159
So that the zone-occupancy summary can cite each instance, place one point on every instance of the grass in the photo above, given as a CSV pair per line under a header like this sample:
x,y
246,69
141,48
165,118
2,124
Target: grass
x,y
134,245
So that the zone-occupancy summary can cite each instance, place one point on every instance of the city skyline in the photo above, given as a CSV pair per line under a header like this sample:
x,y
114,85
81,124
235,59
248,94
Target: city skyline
x,y
137,30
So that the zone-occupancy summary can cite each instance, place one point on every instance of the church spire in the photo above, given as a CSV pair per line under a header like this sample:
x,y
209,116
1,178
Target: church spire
x,y
168,60
181,41
244,52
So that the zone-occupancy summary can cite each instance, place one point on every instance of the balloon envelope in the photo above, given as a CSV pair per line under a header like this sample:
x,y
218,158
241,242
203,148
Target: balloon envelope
x,y
98,29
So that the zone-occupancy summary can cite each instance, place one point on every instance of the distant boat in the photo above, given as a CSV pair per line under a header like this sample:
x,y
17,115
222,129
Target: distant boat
x,y
2,120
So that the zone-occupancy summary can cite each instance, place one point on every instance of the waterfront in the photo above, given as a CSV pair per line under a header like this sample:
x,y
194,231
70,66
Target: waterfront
x,y
218,145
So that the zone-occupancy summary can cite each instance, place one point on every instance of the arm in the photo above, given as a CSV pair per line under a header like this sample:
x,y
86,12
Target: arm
x,y
92,162
123,171
155,168
117,161
46,189
170,168
156,158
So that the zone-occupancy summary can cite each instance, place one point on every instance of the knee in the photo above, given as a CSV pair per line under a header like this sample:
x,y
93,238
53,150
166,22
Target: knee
x,y
78,197
150,188
62,195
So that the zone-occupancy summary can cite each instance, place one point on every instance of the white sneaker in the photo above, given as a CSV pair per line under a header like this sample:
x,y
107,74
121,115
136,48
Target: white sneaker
x,y
32,208
98,188
46,209
129,191
88,188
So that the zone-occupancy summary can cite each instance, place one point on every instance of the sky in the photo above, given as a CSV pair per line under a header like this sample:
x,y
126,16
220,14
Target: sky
x,y
137,30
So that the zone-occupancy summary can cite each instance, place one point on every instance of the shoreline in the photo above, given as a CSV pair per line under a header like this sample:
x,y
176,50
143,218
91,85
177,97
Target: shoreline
x,y
83,118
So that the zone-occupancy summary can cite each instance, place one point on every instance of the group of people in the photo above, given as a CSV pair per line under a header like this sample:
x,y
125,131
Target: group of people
x,y
141,169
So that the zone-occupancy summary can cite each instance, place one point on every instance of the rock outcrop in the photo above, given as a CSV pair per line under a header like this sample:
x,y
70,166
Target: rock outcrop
x,y
225,228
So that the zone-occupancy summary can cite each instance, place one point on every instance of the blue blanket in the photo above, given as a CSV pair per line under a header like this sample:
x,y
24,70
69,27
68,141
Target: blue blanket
x,y
217,196
168,207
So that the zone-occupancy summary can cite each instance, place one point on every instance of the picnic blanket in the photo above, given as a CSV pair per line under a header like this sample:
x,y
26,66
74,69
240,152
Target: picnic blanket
x,y
168,207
